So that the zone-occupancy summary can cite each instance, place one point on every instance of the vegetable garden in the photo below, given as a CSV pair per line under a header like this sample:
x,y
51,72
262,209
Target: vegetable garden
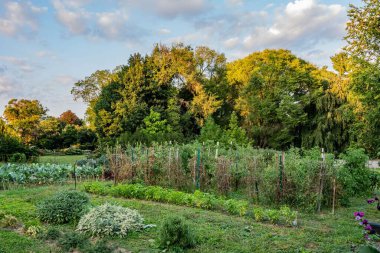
x,y
306,179
12,175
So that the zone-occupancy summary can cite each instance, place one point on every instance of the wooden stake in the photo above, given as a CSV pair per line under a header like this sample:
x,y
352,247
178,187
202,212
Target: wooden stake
x,y
334,190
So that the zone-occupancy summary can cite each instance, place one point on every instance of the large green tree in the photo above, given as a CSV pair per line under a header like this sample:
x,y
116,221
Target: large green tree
x,y
23,117
274,87
363,37
363,31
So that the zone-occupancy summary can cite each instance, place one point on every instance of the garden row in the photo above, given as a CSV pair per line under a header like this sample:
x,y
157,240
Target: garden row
x,y
308,179
104,221
34,173
197,199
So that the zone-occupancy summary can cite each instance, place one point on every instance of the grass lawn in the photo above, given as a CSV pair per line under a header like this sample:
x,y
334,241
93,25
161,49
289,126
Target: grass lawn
x,y
60,159
216,232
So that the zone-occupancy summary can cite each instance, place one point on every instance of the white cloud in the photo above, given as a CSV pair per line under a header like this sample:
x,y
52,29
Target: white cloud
x,y
6,84
171,9
111,25
235,2
164,31
65,80
21,64
75,20
231,42
20,19
303,23
46,54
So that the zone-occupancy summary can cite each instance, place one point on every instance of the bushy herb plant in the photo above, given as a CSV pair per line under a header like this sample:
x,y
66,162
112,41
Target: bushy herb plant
x,y
63,207
176,235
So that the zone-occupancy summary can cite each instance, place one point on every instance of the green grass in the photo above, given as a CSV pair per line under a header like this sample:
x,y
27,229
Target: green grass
x,y
216,232
60,159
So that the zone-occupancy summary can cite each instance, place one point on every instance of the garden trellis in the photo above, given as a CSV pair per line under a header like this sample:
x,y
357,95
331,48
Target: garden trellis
x,y
260,175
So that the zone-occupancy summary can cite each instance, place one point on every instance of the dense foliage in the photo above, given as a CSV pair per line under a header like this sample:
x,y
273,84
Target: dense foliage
x,y
297,177
35,173
197,199
26,127
63,207
110,220
176,235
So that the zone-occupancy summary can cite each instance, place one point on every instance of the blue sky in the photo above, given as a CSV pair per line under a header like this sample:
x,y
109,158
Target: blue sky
x,y
47,45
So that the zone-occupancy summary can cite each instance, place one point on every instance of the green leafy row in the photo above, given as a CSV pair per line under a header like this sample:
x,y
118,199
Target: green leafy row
x,y
197,199
35,173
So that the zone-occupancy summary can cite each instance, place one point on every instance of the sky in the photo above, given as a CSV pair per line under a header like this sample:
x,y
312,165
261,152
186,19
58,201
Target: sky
x,y
48,45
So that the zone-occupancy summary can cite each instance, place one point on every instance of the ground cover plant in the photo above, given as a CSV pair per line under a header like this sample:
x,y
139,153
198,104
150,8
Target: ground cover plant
x,y
215,231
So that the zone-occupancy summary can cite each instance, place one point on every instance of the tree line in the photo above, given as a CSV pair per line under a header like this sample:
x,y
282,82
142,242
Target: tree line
x,y
269,99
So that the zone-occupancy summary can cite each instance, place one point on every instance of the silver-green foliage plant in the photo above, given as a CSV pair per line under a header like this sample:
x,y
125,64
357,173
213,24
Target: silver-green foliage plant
x,y
110,220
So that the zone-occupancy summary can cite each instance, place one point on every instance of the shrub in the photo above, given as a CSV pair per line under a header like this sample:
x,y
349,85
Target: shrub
x,y
110,220
9,221
52,234
34,231
64,207
259,214
2,214
273,215
17,158
100,246
73,240
355,178
176,235
73,151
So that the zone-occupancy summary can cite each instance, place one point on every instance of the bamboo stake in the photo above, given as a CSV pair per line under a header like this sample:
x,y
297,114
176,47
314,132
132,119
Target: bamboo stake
x,y
321,171
334,190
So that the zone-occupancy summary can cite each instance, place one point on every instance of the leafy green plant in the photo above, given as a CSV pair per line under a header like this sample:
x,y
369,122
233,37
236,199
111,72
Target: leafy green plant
x,y
259,214
52,234
101,246
35,173
273,215
72,240
197,199
110,220
34,231
176,235
9,221
17,158
63,207
287,214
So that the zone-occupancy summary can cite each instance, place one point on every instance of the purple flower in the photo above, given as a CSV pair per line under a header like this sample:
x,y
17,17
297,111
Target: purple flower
x,y
370,201
358,218
365,222
358,214
368,227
